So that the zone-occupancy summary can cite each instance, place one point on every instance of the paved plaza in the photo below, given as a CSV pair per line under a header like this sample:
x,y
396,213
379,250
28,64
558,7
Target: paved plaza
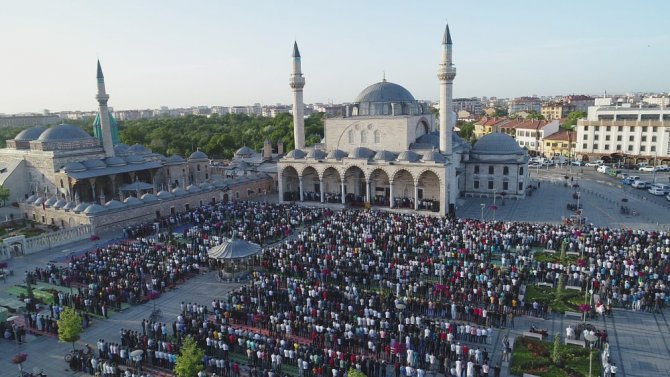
x,y
638,340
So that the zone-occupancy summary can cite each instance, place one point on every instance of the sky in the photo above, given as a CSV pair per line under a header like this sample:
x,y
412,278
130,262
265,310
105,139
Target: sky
x,y
191,53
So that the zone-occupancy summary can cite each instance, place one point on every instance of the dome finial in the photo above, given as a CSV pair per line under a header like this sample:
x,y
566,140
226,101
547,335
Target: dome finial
x,y
446,39
384,76
296,52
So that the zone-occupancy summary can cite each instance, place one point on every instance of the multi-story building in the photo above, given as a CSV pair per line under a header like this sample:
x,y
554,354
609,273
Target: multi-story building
x,y
554,110
578,102
530,133
487,125
472,105
561,143
527,104
625,133
661,101
28,120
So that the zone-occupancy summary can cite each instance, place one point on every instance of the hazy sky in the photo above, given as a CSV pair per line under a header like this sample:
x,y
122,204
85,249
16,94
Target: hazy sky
x,y
187,53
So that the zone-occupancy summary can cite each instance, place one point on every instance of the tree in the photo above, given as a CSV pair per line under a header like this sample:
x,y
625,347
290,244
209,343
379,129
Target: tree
x,y
355,373
189,361
535,115
69,326
4,194
556,352
572,119
467,130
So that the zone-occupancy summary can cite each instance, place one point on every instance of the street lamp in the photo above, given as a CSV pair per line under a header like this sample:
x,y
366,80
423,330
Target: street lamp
x,y
590,338
483,206
401,307
136,355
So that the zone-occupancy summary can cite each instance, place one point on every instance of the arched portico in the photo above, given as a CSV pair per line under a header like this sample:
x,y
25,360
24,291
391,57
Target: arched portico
x,y
310,185
332,186
290,184
380,188
428,191
404,195
354,186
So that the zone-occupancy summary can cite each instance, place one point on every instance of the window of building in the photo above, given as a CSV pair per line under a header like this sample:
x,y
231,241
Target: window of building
x,y
618,147
505,185
630,148
584,146
491,169
607,147
644,138
597,128
595,146
644,129
505,170
586,128
653,139
652,148
364,137
476,169
643,148
475,184
520,186
198,167
586,137
351,136
490,185
607,128
631,138
607,137
618,138
654,129
620,128
378,137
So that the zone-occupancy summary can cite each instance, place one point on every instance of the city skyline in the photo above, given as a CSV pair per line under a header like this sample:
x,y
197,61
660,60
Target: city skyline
x,y
172,54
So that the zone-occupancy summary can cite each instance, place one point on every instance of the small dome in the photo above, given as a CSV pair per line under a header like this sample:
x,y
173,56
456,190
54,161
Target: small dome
x,y
38,201
114,204
94,164
59,203
244,151
73,167
497,143
316,154
51,201
198,155
93,209
29,134
434,156
138,149
409,156
336,155
385,91
69,205
64,132
31,199
193,188
132,201
164,195
384,156
121,149
149,198
361,152
134,159
206,186
178,191
174,159
296,154
81,207
115,161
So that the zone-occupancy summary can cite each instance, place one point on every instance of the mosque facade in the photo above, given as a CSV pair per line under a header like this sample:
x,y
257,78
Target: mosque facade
x,y
65,177
389,150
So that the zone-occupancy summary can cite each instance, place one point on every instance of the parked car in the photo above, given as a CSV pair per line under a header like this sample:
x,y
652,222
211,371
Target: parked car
x,y
663,168
602,169
668,197
655,190
629,166
577,163
627,181
647,168
594,163
662,187
640,184
534,165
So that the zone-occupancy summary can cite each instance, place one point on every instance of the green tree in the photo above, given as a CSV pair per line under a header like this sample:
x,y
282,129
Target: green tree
x,y
500,112
189,361
572,119
467,131
4,194
535,115
556,352
355,373
69,326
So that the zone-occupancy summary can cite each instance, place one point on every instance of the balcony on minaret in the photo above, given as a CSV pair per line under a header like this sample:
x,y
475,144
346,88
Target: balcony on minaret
x,y
297,81
445,72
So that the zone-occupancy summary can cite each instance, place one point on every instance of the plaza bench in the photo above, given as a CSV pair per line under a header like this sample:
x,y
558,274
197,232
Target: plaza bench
x,y
550,251
545,285
573,314
572,253
573,287
529,375
576,342
535,335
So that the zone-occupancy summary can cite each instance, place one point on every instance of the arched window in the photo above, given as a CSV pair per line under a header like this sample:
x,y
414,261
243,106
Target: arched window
x,y
521,170
351,136
476,169
364,137
505,170
491,169
378,137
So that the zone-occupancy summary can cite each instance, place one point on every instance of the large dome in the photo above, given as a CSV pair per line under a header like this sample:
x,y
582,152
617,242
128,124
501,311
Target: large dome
x,y
497,143
64,132
385,91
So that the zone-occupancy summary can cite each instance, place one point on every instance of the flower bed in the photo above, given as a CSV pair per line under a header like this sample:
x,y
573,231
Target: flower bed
x,y
534,357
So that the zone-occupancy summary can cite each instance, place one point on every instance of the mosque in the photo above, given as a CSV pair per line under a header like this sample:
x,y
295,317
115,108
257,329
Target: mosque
x,y
65,177
386,150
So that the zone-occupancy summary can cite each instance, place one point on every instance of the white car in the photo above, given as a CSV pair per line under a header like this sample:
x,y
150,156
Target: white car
x,y
592,164
640,184
647,168
655,190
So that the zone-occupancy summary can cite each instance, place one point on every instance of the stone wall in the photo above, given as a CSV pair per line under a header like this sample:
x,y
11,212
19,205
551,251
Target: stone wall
x,y
19,245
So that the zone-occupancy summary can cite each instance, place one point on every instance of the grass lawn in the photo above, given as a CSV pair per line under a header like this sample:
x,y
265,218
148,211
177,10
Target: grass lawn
x,y
533,356
566,300
554,257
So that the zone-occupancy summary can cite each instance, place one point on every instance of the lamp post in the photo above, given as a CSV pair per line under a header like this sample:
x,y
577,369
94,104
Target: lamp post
x,y
401,307
136,355
483,206
590,338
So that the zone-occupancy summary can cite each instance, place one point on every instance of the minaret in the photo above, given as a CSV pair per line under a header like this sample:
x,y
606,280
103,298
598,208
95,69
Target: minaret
x,y
446,73
297,82
105,125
